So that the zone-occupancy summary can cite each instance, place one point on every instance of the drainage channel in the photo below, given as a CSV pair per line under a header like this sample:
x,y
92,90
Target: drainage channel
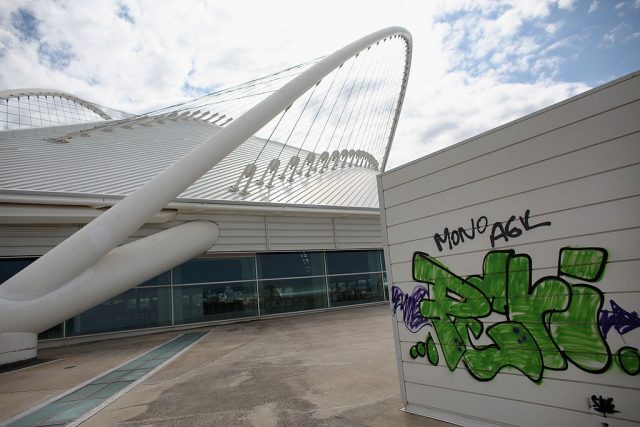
x,y
80,403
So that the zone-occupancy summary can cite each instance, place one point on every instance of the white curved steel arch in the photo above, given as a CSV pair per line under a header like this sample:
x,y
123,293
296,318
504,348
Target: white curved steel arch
x,y
17,93
403,91
87,246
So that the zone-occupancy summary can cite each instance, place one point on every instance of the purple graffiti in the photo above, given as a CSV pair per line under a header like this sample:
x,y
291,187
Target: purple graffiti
x,y
618,318
410,306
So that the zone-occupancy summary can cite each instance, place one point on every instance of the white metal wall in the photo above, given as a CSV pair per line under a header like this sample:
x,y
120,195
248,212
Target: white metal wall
x,y
575,167
238,233
26,240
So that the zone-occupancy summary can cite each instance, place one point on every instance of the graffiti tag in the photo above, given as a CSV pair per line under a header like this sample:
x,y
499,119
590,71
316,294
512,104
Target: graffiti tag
x,y
622,320
548,324
602,405
509,229
410,306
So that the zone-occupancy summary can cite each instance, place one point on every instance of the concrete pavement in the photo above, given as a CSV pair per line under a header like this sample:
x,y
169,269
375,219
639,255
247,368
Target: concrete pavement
x,y
333,368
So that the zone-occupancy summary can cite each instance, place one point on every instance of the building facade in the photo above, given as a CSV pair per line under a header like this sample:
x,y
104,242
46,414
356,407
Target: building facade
x,y
230,286
275,178
513,258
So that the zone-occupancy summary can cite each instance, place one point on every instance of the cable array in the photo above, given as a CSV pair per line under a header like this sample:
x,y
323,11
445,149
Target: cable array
x,y
344,121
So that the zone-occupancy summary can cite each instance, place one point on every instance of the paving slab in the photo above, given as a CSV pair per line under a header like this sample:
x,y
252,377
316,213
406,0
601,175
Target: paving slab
x,y
334,368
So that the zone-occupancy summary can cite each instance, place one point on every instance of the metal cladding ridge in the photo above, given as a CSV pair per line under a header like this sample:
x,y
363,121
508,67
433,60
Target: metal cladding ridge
x,y
117,163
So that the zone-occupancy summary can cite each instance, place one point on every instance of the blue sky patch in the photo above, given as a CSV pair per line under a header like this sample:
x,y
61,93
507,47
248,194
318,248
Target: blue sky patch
x,y
592,42
602,44
56,58
26,23
125,14
194,91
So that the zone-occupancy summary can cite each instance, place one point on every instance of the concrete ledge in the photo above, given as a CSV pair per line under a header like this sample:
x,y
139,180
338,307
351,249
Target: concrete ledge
x,y
17,346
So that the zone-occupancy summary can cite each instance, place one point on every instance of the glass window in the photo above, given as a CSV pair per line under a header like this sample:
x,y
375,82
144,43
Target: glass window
x,y
355,289
385,285
51,333
290,264
353,262
162,279
9,267
382,261
134,309
207,270
204,303
282,296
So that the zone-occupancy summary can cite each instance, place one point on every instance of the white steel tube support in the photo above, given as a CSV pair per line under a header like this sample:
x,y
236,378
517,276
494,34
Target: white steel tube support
x,y
119,270
84,248
403,91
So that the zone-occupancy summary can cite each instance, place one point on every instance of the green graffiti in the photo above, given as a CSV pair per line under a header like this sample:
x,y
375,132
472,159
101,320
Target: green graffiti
x,y
514,346
529,305
629,360
428,348
493,283
432,351
582,263
575,330
549,323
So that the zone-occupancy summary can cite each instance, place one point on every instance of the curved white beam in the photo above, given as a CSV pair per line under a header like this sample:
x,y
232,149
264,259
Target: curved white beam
x,y
89,244
119,270
403,91
17,93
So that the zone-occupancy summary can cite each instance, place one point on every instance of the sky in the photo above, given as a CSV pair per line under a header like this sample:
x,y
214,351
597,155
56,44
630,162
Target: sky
x,y
476,64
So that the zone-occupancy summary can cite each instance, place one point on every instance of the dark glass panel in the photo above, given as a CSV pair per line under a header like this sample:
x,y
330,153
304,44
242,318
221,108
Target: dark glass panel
x,y
205,303
355,289
282,296
353,262
290,264
134,309
51,333
9,267
162,279
207,270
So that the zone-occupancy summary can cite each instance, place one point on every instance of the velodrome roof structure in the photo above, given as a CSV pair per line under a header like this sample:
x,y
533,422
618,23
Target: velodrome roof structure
x,y
114,163
111,158
307,139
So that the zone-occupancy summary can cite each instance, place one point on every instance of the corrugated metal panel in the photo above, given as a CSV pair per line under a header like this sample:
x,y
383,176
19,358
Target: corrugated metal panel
x,y
300,233
117,162
358,233
575,169
238,233
244,233
32,240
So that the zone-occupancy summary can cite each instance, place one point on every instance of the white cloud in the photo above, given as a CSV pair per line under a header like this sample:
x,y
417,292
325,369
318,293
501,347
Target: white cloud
x,y
552,27
456,109
594,6
138,55
566,4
